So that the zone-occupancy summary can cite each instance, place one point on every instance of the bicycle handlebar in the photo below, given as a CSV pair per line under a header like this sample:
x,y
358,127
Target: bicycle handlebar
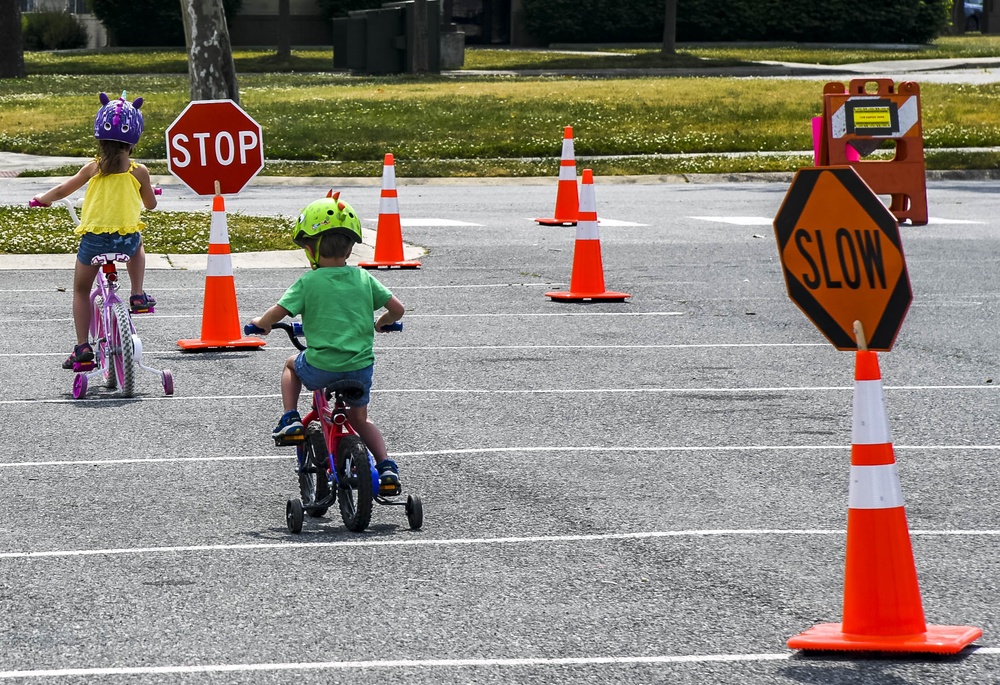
x,y
294,330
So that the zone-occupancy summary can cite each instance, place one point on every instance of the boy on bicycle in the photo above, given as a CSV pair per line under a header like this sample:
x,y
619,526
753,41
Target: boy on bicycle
x,y
336,302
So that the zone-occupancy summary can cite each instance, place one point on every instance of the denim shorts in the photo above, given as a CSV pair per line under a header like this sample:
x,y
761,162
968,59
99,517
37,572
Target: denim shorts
x,y
314,378
93,244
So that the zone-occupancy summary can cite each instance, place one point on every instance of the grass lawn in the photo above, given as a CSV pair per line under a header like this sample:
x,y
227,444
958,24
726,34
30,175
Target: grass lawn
x,y
320,123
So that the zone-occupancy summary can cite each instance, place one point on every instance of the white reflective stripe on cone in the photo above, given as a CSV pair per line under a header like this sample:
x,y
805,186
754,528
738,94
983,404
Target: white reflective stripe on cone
x,y
219,265
388,205
389,176
219,231
567,173
871,426
587,230
567,148
875,487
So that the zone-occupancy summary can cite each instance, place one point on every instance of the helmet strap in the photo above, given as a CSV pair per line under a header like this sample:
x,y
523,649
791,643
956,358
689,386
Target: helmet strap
x,y
312,254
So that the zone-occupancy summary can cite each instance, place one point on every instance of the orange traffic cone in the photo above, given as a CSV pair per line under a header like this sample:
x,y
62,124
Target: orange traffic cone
x,y
567,196
220,319
389,236
587,279
882,607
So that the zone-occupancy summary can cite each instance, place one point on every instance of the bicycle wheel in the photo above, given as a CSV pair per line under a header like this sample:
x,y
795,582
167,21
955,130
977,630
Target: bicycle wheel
x,y
122,349
313,483
355,483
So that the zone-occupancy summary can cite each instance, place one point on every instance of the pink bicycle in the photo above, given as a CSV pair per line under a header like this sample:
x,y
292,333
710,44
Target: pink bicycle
x,y
117,347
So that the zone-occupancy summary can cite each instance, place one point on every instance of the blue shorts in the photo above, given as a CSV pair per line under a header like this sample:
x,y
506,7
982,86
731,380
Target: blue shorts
x,y
315,379
93,244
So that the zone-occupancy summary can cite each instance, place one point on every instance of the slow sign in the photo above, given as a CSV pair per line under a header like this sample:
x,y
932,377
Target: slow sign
x,y
842,257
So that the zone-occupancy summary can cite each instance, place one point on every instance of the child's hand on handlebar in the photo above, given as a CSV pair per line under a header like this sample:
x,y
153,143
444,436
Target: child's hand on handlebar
x,y
383,322
264,330
35,202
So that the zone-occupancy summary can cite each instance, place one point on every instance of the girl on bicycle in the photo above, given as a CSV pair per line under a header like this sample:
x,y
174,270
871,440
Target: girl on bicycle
x,y
117,190
336,302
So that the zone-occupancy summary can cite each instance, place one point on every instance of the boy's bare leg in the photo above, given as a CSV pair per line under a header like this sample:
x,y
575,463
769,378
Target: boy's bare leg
x,y
291,386
369,432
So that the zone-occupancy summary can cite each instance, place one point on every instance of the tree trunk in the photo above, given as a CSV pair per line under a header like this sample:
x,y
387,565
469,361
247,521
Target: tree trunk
x,y
670,28
11,49
210,54
284,31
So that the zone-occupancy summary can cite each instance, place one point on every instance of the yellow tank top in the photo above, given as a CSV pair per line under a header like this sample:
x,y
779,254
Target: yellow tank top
x,y
112,204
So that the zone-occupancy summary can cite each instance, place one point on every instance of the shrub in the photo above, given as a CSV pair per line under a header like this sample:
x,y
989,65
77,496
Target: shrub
x,y
143,23
52,31
831,21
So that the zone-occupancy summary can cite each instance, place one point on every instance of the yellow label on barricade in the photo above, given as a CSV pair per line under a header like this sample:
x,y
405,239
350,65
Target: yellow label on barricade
x,y
868,117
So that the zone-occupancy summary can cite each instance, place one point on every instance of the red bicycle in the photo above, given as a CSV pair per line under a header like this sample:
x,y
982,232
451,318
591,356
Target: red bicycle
x,y
333,461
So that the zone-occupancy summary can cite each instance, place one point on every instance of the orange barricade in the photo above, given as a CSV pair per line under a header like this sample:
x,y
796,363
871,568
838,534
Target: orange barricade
x,y
864,120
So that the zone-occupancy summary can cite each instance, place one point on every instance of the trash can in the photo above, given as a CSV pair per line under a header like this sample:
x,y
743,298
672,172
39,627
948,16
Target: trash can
x,y
381,41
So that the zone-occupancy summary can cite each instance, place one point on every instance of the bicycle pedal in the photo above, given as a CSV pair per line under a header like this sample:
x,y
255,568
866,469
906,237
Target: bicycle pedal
x,y
289,440
79,367
144,310
389,489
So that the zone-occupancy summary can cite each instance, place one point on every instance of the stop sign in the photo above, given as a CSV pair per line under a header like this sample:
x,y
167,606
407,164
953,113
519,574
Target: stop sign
x,y
214,140
842,257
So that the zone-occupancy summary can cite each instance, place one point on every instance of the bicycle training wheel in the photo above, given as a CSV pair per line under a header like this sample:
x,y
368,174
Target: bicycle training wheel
x,y
313,483
293,516
414,512
355,483
122,349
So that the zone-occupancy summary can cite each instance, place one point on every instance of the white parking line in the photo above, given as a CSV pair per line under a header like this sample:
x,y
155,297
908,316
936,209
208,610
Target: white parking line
x,y
500,450
768,221
539,391
452,348
440,663
512,315
283,546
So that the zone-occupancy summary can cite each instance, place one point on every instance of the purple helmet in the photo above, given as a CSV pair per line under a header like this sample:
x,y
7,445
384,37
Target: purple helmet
x,y
118,120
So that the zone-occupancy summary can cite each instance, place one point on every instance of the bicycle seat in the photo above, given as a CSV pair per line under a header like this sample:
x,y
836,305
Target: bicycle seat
x,y
109,257
350,390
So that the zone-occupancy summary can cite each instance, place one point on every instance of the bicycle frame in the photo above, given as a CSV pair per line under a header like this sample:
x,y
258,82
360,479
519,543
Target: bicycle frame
x,y
336,426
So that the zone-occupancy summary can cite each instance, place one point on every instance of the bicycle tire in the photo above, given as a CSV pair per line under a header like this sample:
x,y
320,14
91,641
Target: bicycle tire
x,y
123,349
355,492
313,484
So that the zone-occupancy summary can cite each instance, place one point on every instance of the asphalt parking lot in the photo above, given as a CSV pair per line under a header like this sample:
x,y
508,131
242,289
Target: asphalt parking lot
x,y
652,491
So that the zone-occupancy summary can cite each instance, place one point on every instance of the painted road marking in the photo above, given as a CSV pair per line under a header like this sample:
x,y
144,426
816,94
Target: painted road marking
x,y
768,221
538,391
498,450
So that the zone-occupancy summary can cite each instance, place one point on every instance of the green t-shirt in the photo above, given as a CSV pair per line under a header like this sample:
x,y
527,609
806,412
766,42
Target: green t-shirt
x,y
336,304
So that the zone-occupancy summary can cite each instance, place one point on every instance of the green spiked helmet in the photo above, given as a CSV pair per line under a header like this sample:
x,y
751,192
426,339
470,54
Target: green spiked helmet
x,y
329,215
